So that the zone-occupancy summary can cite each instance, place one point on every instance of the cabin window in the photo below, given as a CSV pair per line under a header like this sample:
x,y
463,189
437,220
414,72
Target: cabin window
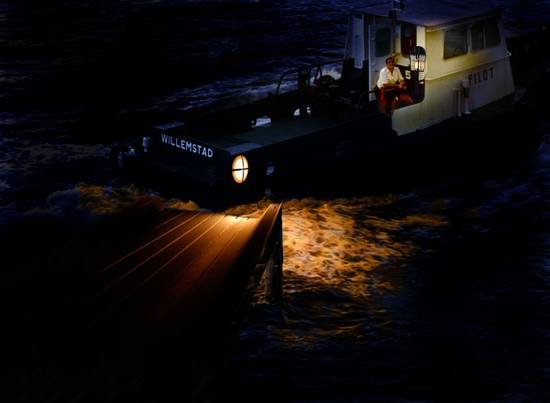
x,y
408,38
456,43
492,34
383,42
485,34
477,36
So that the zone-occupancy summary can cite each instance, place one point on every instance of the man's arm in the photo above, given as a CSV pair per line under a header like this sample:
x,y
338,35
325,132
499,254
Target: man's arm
x,y
399,75
382,78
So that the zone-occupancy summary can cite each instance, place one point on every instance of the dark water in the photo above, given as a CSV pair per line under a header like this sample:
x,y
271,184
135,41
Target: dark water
x,y
437,293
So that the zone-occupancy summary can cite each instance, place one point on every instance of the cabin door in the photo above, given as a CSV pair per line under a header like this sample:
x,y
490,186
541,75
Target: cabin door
x,y
358,39
380,47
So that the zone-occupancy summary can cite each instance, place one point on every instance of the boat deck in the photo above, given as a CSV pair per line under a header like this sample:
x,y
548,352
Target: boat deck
x,y
278,131
286,129
230,128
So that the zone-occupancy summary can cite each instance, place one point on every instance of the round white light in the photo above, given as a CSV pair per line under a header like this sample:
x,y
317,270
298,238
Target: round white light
x,y
239,169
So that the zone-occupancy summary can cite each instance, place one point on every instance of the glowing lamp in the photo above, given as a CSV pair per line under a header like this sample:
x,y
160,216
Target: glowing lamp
x,y
418,59
239,169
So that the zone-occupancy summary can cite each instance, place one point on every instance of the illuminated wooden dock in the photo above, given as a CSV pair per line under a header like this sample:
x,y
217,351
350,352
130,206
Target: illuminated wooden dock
x,y
183,265
167,291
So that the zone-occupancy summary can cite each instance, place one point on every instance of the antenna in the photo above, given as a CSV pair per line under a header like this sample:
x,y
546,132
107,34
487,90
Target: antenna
x,y
397,6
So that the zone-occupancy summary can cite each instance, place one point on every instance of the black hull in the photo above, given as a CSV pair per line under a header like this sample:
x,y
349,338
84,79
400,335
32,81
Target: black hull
x,y
360,157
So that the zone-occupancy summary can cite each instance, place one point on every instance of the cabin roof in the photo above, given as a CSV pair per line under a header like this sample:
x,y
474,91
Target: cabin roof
x,y
434,14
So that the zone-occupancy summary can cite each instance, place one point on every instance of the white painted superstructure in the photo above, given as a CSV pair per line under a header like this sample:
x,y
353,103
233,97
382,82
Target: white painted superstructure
x,y
465,47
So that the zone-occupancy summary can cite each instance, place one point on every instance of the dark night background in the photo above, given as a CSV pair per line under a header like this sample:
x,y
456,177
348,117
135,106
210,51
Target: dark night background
x,y
433,291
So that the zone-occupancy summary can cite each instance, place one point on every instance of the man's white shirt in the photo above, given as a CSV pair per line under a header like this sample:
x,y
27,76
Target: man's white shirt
x,y
387,77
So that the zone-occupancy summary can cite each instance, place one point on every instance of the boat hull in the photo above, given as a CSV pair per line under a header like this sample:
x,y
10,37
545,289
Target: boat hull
x,y
352,158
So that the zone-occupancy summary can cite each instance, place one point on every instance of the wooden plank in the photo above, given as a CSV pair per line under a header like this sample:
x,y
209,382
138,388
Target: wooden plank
x,y
93,251
132,273
178,222
167,295
179,268
230,269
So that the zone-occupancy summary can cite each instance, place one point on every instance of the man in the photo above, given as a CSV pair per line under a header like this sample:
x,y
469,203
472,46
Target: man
x,y
392,87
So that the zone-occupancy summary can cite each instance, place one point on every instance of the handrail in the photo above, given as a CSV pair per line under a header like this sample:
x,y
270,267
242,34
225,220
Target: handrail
x,y
309,68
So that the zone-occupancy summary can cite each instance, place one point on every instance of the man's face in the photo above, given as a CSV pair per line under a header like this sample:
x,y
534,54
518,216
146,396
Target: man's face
x,y
390,64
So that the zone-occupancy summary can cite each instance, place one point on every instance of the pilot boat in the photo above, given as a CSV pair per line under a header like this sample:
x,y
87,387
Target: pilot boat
x,y
319,117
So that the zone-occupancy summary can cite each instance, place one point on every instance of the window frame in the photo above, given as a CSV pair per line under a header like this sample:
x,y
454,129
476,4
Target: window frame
x,y
469,27
462,27
496,24
471,35
405,49
484,29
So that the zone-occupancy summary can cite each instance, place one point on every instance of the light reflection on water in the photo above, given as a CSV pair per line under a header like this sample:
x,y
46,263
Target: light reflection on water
x,y
340,256
437,294
336,244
